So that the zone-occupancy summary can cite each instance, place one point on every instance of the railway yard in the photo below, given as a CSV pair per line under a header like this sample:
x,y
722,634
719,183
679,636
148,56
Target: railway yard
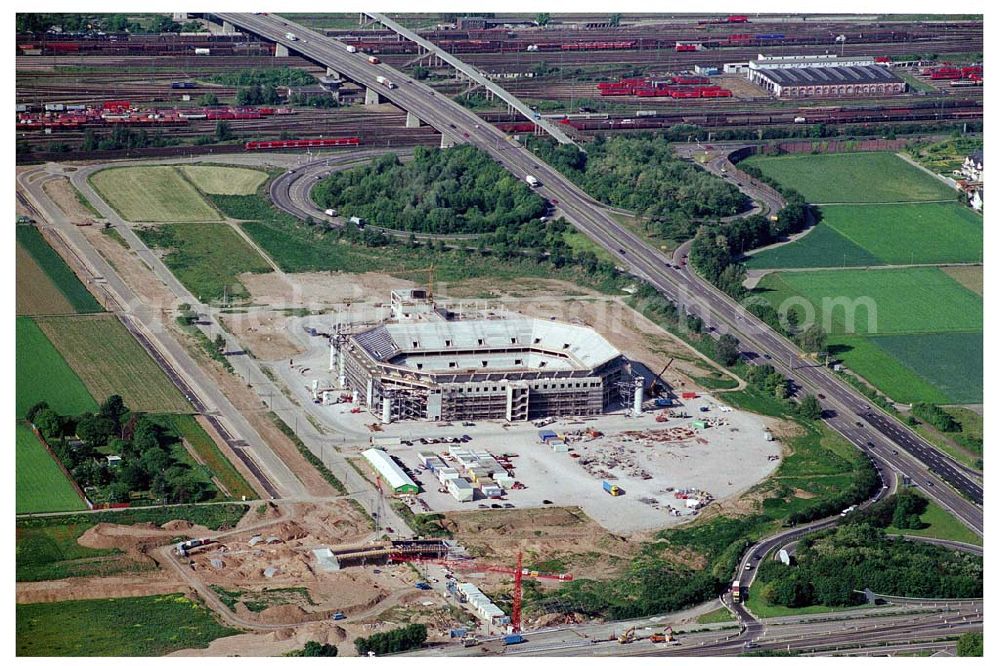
x,y
553,435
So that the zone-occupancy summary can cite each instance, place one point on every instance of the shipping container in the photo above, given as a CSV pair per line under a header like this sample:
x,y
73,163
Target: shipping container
x,y
203,52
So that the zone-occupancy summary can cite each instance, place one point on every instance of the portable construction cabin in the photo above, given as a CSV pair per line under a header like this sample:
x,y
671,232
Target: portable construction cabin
x,y
559,446
699,425
492,491
460,489
391,472
446,473
545,435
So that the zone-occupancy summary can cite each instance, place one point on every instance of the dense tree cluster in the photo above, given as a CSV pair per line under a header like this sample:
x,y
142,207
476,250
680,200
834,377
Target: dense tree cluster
x,y
970,644
154,24
768,380
122,137
937,417
831,565
257,94
274,76
641,174
144,445
315,649
902,511
405,638
460,190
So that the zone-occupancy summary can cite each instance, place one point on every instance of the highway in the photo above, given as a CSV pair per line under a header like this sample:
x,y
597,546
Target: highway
x,y
474,74
848,411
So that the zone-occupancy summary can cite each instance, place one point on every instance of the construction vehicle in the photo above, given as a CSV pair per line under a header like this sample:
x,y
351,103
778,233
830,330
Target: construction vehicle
x,y
513,639
627,636
470,642
658,638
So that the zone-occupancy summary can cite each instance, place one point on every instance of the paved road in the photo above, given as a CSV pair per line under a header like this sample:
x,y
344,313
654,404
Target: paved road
x,y
849,411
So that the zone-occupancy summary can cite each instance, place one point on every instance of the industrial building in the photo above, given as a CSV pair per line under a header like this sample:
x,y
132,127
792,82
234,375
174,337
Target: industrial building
x,y
387,468
823,76
427,363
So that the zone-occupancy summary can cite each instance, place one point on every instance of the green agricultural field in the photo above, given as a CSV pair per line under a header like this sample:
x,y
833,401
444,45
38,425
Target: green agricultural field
x,y
905,300
224,180
41,484
952,361
206,258
109,360
204,446
42,374
853,178
870,235
53,266
873,362
127,627
823,247
152,194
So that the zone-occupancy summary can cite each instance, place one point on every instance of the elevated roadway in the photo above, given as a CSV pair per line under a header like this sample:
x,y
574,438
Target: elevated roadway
x,y
848,412
473,74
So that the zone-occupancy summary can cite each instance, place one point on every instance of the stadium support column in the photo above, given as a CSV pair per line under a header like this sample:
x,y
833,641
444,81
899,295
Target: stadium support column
x,y
341,369
280,51
386,409
637,398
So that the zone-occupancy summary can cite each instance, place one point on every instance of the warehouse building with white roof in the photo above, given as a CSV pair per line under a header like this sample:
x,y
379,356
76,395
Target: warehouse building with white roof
x,y
398,480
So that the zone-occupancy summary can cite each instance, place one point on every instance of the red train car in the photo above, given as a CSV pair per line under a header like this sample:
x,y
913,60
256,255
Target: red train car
x,y
302,143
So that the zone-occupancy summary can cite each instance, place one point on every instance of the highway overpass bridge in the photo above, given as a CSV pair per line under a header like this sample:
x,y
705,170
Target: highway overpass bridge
x,y
850,413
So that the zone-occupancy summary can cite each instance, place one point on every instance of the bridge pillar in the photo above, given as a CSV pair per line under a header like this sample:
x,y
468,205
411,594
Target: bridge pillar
x,y
332,73
372,96
446,142
280,51
228,28
412,120
180,17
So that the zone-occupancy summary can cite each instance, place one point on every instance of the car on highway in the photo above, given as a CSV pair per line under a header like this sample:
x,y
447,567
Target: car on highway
x,y
555,202
465,134
871,445
821,396
895,452
747,567
859,424
621,251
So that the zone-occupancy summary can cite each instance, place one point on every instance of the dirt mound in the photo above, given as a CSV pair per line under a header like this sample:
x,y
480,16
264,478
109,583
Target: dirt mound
x,y
285,614
107,587
336,634
140,536
177,525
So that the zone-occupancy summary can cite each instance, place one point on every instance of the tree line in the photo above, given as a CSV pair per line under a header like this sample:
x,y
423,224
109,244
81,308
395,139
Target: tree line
x,y
402,639
642,174
144,444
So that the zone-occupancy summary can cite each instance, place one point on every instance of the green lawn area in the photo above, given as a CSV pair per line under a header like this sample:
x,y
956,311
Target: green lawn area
x,y
42,374
152,194
941,525
110,361
853,178
298,249
187,427
759,606
869,235
718,615
206,258
55,268
41,484
128,627
903,300
224,180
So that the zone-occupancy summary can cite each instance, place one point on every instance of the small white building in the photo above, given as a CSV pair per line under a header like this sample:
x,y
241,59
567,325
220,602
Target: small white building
x,y
460,489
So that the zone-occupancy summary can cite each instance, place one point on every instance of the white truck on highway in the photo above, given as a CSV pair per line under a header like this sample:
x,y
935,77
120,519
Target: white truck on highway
x,y
352,49
385,82
531,180
290,36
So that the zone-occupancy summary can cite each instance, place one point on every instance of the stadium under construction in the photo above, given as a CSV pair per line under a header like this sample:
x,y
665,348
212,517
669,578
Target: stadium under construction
x,y
431,363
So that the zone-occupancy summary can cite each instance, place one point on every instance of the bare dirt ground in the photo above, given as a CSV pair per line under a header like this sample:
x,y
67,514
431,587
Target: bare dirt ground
x,y
543,534
61,191
318,291
263,333
970,277
132,270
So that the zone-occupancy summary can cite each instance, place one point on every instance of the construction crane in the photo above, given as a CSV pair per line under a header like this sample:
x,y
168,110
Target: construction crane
x,y
518,573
